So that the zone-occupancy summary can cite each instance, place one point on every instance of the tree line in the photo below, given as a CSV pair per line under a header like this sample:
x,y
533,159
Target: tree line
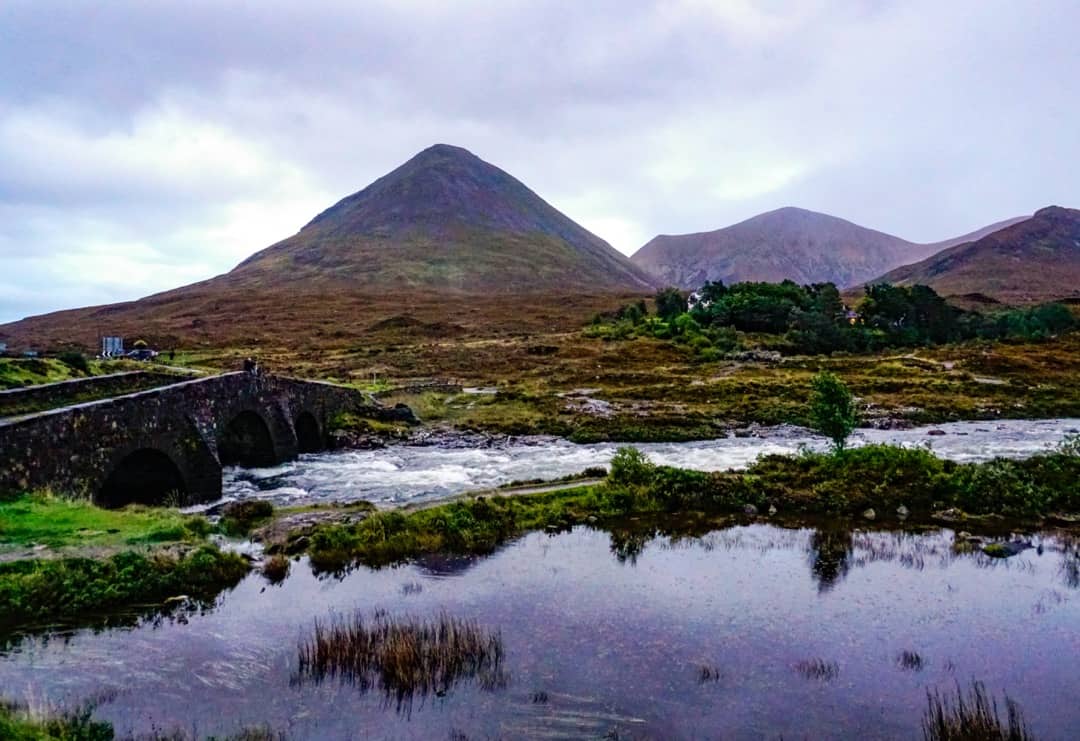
x,y
813,319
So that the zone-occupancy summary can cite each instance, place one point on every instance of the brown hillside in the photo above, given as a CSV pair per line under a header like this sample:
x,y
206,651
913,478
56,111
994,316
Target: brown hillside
x,y
1035,260
789,243
442,237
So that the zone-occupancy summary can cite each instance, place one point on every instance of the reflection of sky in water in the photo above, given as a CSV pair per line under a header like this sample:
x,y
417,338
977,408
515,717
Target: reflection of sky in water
x,y
404,473
617,641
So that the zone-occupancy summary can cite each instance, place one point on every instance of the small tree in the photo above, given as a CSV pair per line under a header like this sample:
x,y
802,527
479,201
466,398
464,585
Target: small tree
x,y
630,467
670,302
832,409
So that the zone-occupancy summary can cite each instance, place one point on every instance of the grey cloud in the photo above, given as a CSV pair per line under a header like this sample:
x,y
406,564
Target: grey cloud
x,y
184,135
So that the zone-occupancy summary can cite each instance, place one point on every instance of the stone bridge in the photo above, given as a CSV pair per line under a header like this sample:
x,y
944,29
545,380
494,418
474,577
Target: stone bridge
x,y
169,444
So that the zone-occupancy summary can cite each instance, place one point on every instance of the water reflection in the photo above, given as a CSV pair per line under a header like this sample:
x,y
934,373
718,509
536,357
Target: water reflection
x,y
668,628
830,553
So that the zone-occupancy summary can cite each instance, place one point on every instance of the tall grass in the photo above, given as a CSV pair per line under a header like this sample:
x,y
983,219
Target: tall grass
x,y
972,716
402,657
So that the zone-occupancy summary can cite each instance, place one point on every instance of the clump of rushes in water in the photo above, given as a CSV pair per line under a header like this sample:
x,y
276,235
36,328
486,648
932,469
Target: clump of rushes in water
x,y
403,657
972,716
708,673
910,661
819,669
276,568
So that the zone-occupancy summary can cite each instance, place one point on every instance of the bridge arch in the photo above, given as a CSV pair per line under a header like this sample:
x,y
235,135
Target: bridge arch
x,y
309,437
247,441
143,476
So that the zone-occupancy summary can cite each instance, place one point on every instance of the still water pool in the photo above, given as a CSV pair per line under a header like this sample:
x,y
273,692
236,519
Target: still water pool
x,y
608,632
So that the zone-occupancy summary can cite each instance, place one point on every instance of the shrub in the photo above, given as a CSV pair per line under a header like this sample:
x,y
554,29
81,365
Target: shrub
x,y
630,467
832,409
76,361
238,518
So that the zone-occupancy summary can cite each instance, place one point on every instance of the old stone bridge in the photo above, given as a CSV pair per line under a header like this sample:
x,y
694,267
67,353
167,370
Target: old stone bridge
x,y
169,444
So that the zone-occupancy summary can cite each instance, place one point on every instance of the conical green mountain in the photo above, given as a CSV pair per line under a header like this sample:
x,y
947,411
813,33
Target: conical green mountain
x,y
445,221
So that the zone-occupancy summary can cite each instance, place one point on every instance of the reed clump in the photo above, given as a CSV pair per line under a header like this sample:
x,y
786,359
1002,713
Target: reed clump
x,y
403,657
972,716
818,669
276,568
911,661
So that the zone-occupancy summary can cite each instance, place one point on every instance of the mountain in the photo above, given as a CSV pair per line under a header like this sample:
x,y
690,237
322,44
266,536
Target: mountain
x,y
788,243
445,221
1037,259
444,241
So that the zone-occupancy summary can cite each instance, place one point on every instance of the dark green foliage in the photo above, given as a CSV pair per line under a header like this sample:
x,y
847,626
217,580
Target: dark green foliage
x,y
670,303
972,716
76,361
77,588
16,725
812,319
832,409
238,518
630,467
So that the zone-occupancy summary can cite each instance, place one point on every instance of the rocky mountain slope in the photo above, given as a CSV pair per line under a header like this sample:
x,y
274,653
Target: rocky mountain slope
x,y
788,243
1037,259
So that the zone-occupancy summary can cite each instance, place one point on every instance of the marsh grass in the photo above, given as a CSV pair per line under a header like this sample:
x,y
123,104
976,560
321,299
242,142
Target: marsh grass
x,y
818,669
405,657
910,661
972,716
276,568
20,723
708,673
87,591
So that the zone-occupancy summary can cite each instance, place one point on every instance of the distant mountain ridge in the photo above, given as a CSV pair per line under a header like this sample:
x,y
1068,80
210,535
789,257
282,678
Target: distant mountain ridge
x,y
1036,259
448,221
788,243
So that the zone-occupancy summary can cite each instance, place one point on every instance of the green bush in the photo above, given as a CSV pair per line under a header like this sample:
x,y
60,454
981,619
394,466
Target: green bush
x,y
76,361
630,467
238,518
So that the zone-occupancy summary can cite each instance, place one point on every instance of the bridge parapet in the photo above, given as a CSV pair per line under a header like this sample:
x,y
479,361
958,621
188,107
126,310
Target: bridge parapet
x,y
170,442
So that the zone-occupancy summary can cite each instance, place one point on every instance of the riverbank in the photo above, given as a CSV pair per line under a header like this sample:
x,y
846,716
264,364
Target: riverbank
x,y
874,482
142,556
639,390
65,561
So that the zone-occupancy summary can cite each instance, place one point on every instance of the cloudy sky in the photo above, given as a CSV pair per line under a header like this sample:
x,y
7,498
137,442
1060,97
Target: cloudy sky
x,y
144,145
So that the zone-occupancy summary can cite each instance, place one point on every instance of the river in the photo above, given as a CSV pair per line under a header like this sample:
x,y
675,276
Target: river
x,y
399,474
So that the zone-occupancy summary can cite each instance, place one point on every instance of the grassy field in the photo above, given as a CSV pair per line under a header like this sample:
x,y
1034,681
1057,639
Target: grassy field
x,y
19,372
536,351
64,524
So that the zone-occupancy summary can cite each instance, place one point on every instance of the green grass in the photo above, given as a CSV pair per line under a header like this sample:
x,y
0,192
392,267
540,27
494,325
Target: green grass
x,y
476,525
43,519
19,372
16,724
81,589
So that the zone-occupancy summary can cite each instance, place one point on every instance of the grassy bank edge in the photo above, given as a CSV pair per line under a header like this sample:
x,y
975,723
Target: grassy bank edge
x,y
876,481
